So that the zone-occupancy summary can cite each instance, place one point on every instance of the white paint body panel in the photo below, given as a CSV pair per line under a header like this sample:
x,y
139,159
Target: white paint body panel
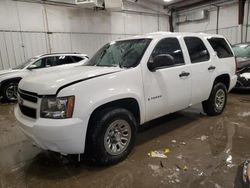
x,y
49,84
158,93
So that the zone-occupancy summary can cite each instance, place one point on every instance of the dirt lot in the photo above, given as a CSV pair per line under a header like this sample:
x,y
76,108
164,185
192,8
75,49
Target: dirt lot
x,y
204,152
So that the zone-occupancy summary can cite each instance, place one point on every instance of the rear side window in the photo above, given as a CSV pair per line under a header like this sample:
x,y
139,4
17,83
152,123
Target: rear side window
x,y
64,60
169,46
77,59
221,47
196,49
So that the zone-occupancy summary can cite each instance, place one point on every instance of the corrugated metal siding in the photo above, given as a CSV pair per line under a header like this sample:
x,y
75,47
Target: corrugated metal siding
x,y
16,47
34,43
231,33
80,42
29,29
10,49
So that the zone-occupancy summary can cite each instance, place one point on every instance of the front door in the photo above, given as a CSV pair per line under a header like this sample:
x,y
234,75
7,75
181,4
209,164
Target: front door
x,y
167,89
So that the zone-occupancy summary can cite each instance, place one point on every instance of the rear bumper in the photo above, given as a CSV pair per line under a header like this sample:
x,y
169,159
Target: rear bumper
x,y
66,136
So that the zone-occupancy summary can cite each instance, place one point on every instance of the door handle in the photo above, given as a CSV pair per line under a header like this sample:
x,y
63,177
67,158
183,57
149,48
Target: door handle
x,y
211,68
184,74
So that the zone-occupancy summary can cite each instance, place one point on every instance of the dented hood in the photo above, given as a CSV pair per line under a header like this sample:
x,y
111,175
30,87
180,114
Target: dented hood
x,y
50,83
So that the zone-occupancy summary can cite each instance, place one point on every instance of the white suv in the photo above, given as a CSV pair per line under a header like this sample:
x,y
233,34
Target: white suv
x,y
96,109
9,79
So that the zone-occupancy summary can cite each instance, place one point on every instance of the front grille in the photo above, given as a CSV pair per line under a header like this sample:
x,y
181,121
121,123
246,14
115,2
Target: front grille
x,y
29,96
27,111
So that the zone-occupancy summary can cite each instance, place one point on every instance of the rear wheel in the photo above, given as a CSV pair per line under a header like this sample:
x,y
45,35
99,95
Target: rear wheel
x,y
9,91
111,136
216,101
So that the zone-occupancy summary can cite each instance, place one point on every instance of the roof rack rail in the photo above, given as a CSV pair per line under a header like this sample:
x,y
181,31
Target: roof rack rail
x,y
60,53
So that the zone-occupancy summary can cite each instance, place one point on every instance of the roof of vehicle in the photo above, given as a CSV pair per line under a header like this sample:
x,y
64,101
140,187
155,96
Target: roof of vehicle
x,y
65,54
160,34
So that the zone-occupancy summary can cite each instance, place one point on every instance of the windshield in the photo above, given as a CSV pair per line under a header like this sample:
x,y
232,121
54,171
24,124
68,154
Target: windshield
x,y
21,66
127,53
242,50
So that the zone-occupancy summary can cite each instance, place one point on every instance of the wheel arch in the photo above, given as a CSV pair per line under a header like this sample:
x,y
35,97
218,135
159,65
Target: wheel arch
x,y
17,79
130,104
223,78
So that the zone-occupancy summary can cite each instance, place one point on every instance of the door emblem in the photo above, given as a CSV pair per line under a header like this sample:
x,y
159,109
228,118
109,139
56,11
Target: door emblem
x,y
155,97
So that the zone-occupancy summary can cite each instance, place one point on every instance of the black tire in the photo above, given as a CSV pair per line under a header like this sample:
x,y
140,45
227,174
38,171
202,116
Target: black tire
x,y
99,124
209,106
5,87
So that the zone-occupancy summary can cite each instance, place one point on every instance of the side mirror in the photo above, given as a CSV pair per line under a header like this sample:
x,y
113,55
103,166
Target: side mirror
x,y
33,66
161,61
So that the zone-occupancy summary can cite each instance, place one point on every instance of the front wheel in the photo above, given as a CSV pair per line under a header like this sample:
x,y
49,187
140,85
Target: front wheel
x,y
111,136
9,91
216,101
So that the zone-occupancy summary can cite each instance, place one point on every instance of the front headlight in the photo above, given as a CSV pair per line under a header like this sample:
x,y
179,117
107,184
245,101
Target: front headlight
x,y
57,108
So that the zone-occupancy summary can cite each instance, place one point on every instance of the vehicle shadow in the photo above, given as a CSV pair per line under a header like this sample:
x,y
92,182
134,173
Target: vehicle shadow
x,y
164,125
49,165
52,170
241,91
2,101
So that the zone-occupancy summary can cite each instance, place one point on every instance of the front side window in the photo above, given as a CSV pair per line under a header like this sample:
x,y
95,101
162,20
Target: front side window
x,y
45,62
196,49
127,53
169,46
50,61
41,63
221,47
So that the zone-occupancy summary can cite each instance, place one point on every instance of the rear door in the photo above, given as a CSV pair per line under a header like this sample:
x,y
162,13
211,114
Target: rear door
x,y
167,89
203,68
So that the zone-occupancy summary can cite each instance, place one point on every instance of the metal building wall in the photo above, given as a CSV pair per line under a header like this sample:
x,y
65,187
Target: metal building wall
x,y
29,29
228,22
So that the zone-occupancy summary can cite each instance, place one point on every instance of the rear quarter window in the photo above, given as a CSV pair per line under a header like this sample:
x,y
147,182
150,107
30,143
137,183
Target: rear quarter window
x,y
221,47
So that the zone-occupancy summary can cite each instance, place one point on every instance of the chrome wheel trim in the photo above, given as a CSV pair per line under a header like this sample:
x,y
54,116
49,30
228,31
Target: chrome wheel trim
x,y
117,137
220,98
11,91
